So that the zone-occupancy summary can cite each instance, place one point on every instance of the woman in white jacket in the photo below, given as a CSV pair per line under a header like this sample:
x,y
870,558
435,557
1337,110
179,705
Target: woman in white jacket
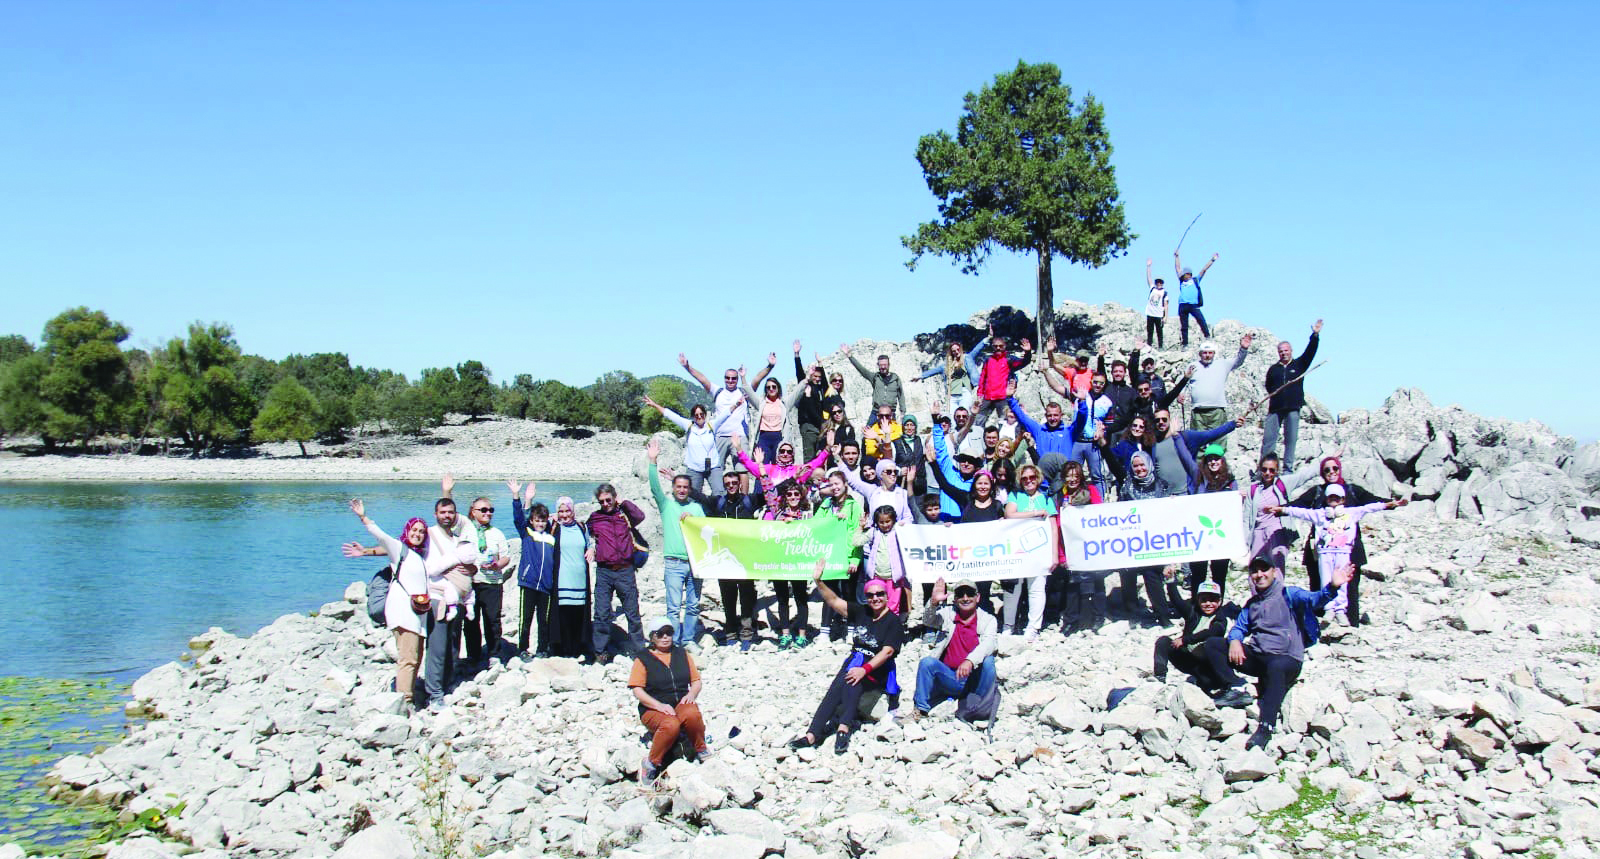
x,y
700,459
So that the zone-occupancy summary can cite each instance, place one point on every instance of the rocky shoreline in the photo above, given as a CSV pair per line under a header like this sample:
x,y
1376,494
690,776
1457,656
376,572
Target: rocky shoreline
x,y
1464,721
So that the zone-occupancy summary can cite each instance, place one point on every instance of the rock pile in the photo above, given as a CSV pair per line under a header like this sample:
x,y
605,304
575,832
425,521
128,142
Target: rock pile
x,y
1465,717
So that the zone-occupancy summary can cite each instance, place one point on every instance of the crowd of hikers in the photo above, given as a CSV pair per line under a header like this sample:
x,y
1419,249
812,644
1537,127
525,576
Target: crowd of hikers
x,y
1109,436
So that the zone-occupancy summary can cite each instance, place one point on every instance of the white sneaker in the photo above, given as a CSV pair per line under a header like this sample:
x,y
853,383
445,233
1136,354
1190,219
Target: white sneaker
x,y
1030,636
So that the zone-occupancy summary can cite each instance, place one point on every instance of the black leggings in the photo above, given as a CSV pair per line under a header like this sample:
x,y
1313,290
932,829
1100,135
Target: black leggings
x,y
1192,664
535,604
1155,331
841,707
802,607
1152,588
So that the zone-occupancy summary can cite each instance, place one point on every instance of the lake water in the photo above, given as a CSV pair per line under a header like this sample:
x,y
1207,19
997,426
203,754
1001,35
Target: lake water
x,y
112,579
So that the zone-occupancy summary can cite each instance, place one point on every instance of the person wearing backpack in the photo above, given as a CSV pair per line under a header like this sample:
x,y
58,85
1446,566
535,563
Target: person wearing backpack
x,y
1269,537
961,662
616,575
1190,297
1269,642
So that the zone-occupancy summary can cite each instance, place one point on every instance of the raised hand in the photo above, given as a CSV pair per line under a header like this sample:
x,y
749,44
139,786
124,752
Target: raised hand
x,y
1050,345
772,358
447,484
652,449
1341,576
797,347
514,486
939,590
358,508
528,493
352,550
845,348
1246,340
1215,257
1148,262
683,359
822,564
1316,327
1027,345
651,403
1102,350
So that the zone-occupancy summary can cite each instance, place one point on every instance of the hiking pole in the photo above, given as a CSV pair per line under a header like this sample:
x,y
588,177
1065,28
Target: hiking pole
x,y
1285,385
1186,233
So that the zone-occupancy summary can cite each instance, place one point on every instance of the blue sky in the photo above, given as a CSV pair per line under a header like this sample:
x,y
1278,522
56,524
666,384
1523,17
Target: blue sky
x,y
565,190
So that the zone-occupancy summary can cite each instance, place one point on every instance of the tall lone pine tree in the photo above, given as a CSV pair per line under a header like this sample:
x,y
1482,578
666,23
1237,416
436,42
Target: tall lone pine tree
x,y
1028,170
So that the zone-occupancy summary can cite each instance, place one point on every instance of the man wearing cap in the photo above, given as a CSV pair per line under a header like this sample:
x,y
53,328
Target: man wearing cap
x,y
666,682
1288,395
1208,385
1269,642
1148,373
1203,620
1076,375
1190,299
961,662
887,389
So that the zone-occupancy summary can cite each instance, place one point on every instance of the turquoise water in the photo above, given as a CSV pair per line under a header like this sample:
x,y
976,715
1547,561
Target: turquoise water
x,y
112,579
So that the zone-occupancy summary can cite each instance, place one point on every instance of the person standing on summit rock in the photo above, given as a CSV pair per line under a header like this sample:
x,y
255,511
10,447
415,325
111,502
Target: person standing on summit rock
x,y
1208,384
1288,395
1190,298
887,389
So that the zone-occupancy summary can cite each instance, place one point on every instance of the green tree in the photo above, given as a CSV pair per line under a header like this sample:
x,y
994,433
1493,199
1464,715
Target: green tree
x,y
289,412
474,393
76,386
617,394
552,401
200,398
413,408
14,346
514,399
1029,170
668,392
442,388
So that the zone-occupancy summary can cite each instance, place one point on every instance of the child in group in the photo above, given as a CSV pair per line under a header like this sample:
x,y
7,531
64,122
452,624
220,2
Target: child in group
x,y
884,564
1336,531
1203,618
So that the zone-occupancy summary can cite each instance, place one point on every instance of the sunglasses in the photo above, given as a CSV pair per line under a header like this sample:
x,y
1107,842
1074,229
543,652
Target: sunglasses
x,y
660,632
964,593
1332,469
483,509
877,595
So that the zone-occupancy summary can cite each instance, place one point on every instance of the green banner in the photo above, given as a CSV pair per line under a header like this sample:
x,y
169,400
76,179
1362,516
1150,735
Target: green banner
x,y
756,549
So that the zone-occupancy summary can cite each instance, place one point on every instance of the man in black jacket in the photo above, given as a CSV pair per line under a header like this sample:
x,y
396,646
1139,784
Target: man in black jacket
x,y
1119,389
738,595
809,408
1283,409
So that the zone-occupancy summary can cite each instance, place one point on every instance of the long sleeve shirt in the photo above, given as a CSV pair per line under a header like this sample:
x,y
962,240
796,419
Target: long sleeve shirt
x,y
671,509
887,390
949,508
1287,376
1209,387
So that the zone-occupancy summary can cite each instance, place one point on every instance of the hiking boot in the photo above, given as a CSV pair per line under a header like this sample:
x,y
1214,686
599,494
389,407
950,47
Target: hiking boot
x,y
841,742
1236,697
648,772
801,742
1259,739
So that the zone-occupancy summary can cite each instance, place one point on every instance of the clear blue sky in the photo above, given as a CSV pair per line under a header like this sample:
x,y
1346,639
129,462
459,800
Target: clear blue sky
x,y
565,190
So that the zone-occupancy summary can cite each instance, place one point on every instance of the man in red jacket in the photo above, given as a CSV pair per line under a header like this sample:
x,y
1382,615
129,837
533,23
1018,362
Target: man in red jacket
x,y
994,378
612,529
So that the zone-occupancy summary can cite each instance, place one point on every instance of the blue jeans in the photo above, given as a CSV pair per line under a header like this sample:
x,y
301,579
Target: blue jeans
x,y
683,600
937,682
1094,464
1290,422
1184,312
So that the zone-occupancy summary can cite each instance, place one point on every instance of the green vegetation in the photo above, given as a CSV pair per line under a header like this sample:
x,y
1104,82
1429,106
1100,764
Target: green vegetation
x,y
205,393
441,822
41,721
1029,169
1293,822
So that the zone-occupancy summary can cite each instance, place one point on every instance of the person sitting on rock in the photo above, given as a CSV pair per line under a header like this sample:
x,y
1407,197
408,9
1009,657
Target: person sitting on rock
x,y
666,682
962,660
875,637
1269,642
1204,618
1336,529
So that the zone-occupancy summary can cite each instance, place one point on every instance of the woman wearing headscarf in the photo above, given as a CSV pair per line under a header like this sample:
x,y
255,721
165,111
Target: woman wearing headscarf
x,y
1140,483
406,610
570,617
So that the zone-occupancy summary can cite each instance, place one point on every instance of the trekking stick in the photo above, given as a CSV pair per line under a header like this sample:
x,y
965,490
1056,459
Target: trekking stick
x,y
1285,385
1186,233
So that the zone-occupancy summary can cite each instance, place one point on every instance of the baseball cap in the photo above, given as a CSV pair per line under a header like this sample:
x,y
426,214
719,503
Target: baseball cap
x,y
1334,489
661,623
1213,450
1209,588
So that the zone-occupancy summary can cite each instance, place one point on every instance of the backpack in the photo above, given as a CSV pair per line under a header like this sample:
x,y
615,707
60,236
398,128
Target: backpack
x,y
979,708
378,591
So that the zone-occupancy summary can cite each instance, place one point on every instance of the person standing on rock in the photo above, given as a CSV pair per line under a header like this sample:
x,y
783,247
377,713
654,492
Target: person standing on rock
x,y
1155,309
960,371
412,564
1331,470
1190,298
683,589
961,662
1336,529
700,456
812,407
1269,538
1288,395
1030,501
1118,389
1083,606
876,634
571,628
667,683
615,576
733,399
1208,386
1175,449
887,389
1212,475
995,378
1141,483
1269,642
536,569
483,630
738,595
444,642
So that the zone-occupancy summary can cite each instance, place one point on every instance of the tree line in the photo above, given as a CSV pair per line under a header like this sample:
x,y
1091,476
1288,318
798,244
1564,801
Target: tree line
x,y
80,383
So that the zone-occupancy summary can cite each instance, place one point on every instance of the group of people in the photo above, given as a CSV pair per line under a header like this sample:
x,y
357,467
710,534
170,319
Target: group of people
x,y
1110,436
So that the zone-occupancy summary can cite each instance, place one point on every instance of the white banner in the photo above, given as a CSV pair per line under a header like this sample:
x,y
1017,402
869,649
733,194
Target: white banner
x,y
980,551
1153,533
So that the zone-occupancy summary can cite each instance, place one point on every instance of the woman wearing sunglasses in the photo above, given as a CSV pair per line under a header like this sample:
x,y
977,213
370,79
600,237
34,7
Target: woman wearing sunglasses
x,y
666,682
875,637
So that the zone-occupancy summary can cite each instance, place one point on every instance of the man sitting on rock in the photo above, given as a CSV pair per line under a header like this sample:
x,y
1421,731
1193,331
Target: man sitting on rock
x,y
962,660
1204,619
1269,642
